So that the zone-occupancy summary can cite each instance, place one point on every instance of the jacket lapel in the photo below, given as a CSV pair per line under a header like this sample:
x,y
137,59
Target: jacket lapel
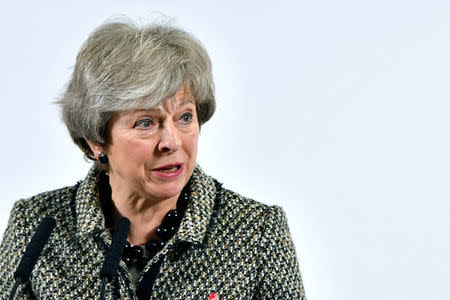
x,y
198,213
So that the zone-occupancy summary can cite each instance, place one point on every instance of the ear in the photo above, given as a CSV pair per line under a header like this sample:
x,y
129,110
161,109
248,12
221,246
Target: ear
x,y
95,148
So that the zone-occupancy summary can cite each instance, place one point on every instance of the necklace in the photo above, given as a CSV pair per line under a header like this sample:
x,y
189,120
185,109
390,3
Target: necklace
x,y
136,255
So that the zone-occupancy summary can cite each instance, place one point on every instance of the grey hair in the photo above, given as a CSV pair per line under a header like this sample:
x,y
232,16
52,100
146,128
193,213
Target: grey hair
x,y
123,66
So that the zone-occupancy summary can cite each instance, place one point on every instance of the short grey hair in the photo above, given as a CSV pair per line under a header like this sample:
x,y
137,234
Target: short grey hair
x,y
124,66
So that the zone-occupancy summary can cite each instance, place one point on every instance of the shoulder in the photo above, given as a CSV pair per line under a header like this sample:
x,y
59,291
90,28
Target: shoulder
x,y
263,230
57,204
25,216
244,210
236,201
234,207
49,201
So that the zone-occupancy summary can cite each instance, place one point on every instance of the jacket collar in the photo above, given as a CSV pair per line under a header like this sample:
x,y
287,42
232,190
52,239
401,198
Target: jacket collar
x,y
198,213
90,219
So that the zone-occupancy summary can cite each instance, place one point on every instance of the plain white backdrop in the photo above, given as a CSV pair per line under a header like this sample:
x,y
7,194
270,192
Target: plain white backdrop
x,y
336,110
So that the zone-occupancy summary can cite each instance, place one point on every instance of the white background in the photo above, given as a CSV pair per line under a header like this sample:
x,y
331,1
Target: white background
x,y
336,110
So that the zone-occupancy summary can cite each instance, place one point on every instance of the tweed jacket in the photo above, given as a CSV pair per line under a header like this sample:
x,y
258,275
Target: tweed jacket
x,y
226,244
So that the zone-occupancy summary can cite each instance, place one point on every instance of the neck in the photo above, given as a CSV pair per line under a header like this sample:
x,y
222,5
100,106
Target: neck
x,y
144,213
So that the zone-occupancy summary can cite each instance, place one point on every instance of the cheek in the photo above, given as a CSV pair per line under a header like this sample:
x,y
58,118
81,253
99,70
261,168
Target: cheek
x,y
126,146
191,144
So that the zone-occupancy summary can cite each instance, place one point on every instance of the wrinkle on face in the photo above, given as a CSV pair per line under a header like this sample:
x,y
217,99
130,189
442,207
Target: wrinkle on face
x,y
136,152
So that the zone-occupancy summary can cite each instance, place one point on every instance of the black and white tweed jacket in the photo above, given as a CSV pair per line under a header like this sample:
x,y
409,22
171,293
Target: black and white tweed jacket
x,y
227,244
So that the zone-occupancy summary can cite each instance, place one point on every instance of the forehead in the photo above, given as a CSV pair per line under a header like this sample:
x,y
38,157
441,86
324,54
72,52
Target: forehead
x,y
183,97
179,100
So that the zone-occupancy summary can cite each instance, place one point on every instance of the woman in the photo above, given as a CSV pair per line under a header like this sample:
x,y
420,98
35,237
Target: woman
x,y
134,105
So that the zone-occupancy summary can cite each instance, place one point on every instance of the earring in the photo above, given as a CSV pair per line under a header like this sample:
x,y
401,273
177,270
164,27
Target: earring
x,y
102,157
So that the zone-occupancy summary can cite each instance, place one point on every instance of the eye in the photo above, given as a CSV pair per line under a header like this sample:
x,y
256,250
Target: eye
x,y
186,117
144,123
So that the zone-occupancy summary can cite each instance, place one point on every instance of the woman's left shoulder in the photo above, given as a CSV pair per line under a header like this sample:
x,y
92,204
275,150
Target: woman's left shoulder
x,y
242,207
233,209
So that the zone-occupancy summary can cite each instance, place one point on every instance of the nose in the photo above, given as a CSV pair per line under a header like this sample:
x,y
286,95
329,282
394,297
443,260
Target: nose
x,y
170,140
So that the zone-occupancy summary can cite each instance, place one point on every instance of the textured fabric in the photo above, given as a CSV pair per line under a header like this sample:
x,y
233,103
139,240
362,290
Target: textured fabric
x,y
145,286
227,244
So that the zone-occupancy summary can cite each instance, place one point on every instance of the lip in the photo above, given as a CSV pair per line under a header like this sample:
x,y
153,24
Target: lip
x,y
158,171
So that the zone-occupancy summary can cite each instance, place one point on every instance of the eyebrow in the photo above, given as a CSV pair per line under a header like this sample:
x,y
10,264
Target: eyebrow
x,y
182,103
187,101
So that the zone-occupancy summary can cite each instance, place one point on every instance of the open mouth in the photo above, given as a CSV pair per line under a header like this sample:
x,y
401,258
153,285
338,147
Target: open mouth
x,y
169,168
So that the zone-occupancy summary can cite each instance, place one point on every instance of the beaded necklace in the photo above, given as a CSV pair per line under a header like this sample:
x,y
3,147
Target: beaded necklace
x,y
135,255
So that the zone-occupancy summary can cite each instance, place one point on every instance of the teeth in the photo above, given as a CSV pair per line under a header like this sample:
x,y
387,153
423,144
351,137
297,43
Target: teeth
x,y
169,170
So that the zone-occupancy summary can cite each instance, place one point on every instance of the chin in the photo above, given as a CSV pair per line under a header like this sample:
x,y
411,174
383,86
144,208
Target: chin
x,y
167,191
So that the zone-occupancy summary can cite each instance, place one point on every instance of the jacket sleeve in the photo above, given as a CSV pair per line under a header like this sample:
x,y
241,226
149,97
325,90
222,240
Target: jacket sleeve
x,y
280,276
15,239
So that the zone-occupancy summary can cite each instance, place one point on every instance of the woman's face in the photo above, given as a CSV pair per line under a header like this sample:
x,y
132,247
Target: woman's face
x,y
152,153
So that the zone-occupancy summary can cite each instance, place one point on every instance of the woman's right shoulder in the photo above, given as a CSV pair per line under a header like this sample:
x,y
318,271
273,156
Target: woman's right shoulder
x,y
24,218
51,203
